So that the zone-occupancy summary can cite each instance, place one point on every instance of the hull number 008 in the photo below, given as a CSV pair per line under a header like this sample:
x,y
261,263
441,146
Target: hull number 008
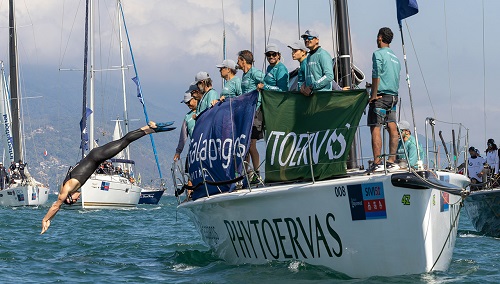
x,y
340,191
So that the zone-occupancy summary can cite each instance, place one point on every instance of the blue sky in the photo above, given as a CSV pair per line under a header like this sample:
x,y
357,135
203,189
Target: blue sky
x,y
173,40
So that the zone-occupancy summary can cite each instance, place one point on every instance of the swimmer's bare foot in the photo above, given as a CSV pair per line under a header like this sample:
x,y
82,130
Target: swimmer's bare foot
x,y
158,127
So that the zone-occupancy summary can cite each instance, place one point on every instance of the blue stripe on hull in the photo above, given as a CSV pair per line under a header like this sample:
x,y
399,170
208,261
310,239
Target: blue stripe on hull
x,y
151,197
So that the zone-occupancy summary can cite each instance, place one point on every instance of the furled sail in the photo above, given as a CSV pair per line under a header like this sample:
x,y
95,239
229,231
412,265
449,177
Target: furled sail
x,y
6,117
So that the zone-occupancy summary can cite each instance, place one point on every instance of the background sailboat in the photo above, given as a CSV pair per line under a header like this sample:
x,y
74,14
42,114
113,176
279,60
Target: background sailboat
x,y
23,189
113,187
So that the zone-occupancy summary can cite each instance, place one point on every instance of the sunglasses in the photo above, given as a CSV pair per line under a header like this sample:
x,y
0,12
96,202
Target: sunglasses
x,y
271,54
308,38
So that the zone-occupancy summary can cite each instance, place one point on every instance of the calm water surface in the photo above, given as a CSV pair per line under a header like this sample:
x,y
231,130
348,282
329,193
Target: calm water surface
x,y
154,244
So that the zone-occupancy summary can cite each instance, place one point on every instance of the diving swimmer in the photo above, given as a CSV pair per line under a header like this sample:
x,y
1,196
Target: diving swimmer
x,y
85,168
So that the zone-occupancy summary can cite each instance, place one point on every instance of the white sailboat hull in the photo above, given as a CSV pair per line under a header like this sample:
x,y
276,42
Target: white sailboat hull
x,y
24,195
108,191
321,224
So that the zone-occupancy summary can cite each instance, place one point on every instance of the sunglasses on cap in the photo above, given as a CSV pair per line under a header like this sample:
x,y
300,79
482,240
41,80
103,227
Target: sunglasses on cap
x,y
271,54
308,37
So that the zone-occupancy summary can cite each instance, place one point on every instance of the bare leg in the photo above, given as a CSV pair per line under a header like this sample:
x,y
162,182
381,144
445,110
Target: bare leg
x,y
393,141
376,143
254,154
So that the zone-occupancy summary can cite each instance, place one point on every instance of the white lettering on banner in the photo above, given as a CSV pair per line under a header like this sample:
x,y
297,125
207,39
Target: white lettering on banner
x,y
329,149
216,149
334,147
278,134
298,149
283,144
7,133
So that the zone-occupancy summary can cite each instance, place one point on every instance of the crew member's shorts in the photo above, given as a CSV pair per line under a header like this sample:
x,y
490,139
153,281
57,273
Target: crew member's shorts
x,y
257,128
382,110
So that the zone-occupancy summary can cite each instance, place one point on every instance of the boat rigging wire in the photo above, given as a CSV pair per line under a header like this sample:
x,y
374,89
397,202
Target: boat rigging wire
x,y
61,53
223,81
252,36
265,25
453,225
484,79
271,24
448,58
334,37
420,68
266,39
298,17
419,157
139,88
223,34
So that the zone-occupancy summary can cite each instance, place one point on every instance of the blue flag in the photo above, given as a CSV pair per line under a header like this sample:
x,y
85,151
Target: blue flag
x,y
139,94
405,9
83,130
220,142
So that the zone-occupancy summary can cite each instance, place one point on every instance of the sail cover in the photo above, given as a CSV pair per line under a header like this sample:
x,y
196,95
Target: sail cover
x,y
8,143
327,120
219,143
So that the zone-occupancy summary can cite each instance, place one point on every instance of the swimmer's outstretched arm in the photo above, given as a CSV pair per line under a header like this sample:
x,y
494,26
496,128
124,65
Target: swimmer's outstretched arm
x,y
70,186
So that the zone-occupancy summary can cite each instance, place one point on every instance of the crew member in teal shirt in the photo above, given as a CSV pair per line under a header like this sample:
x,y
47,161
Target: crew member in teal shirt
x,y
383,100
251,78
408,144
251,75
319,66
204,84
232,88
299,53
276,78
187,125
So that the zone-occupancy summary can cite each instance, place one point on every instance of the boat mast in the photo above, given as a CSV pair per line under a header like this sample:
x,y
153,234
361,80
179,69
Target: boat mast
x,y
14,85
91,51
83,122
125,114
344,61
344,39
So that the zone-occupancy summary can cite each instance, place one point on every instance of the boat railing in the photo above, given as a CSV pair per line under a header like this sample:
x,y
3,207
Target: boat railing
x,y
453,150
116,177
155,183
335,144
180,178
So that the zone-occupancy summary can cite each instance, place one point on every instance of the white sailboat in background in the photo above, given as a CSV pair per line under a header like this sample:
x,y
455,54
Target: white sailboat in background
x,y
111,189
22,190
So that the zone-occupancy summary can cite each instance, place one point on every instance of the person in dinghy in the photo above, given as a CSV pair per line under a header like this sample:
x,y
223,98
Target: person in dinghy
x,y
78,175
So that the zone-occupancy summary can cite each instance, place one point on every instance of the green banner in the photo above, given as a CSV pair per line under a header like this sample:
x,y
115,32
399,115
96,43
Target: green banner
x,y
299,129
